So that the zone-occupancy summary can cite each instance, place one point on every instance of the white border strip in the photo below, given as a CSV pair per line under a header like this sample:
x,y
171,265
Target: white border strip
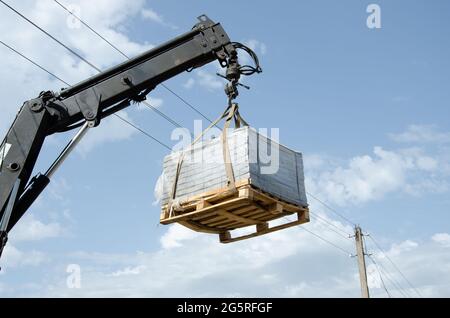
x,y
4,151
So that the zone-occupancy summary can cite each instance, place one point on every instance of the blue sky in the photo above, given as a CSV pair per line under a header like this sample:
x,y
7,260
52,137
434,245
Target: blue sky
x,y
367,107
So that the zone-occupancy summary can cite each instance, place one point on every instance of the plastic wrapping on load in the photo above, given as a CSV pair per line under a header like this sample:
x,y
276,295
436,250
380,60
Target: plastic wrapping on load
x,y
264,163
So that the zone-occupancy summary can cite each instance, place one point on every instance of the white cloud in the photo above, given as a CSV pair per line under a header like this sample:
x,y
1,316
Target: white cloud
x,y
209,81
371,177
425,186
26,81
13,257
189,83
427,163
406,246
315,162
373,277
257,46
442,238
291,263
129,271
422,134
58,189
199,266
152,15
175,235
206,80
153,101
429,278
111,129
31,229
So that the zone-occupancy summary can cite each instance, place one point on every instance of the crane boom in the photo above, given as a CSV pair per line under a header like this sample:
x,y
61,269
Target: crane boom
x,y
88,102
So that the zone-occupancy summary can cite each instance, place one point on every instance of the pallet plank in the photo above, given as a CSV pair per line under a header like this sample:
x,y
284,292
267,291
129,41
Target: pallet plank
x,y
224,211
204,211
263,231
199,227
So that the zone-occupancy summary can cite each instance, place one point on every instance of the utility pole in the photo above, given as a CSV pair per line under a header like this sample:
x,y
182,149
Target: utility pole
x,y
361,262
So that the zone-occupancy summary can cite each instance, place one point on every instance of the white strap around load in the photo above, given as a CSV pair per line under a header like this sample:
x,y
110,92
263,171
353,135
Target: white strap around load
x,y
231,112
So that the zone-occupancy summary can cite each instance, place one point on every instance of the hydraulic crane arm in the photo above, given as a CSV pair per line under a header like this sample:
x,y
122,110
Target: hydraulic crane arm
x,y
87,103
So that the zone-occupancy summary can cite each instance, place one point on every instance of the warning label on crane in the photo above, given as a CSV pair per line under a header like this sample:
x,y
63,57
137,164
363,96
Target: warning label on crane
x,y
4,151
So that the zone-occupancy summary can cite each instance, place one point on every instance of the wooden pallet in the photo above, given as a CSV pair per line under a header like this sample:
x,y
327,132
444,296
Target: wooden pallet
x,y
221,211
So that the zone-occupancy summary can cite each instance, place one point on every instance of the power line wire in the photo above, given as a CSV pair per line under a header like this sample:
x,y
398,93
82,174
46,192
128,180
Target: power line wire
x,y
35,64
331,224
393,281
321,222
395,284
48,34
381,276
187,103
376,266
160,113
376,244
127,57
62,81
90,28
331,209
144,132
395,266
327,241
322,238
170,120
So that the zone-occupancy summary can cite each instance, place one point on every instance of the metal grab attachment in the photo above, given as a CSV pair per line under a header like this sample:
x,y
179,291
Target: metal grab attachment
x,y
231,89
235,70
